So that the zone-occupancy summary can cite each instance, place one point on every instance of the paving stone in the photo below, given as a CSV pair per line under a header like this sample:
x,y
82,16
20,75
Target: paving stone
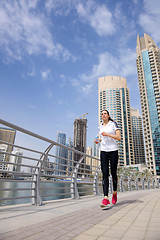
x,y
129,219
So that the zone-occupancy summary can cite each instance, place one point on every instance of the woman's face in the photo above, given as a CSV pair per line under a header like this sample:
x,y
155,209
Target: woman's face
x,y
105,115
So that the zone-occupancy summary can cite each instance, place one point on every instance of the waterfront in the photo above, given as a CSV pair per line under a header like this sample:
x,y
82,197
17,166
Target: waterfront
x,y
60,190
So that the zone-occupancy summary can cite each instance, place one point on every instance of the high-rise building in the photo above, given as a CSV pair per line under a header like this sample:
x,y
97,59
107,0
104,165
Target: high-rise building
x,y
114,97
79,139
61,162
7,135
148,69
17,159
3,149
138,142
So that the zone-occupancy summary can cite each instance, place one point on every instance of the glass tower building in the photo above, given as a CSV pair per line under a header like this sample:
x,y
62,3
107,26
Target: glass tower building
x,y
148,69
138,141
114,96
61,152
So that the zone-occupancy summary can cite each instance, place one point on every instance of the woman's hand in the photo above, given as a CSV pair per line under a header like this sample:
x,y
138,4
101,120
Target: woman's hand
x,y
97,140
105,134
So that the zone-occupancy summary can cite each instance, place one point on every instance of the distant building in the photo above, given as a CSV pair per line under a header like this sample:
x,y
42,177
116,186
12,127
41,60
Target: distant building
x,y
3,148
15,159
138,142
79,140
114,96
148,69
61,162
88,159
7,135
92,163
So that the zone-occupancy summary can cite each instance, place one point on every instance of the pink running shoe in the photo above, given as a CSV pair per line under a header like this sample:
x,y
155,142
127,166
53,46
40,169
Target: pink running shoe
x,y
114,198
104,203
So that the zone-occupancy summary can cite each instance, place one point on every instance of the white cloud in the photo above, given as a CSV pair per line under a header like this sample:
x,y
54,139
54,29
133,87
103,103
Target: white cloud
x,y
150,19
124,65
63,81
98,16
23,29
60,7
45,74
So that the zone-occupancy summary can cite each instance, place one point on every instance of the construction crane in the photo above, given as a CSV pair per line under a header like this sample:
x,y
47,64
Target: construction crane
x,y
83,115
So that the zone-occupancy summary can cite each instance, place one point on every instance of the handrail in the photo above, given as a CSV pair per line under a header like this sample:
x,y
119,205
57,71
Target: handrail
x,y
49,177
13,126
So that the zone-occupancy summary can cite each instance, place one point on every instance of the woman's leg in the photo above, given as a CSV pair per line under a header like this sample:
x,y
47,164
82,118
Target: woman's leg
x,y
105,172
114,163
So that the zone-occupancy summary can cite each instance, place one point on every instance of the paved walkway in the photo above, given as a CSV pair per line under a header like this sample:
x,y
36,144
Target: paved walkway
x,y
135,216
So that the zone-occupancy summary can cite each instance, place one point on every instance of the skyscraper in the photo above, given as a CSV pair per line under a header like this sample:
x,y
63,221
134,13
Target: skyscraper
x,y
148,69
138,142
79,139
61,152
114,96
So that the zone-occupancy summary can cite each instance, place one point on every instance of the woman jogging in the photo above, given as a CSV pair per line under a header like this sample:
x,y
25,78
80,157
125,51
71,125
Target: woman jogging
x,y
108,134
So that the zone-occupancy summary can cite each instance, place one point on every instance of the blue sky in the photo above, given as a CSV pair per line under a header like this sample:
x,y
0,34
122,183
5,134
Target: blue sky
x,y
53,51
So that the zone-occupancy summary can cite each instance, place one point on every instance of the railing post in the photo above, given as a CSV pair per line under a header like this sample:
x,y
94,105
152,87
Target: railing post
x,y
36,185
153,182
136,182
121,183
37,177
129,182
38,194
158,183
73,186
143,187
148,183
95,183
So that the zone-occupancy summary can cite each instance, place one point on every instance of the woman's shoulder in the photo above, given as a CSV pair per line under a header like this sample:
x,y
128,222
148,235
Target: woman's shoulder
x,y
115,124
101,125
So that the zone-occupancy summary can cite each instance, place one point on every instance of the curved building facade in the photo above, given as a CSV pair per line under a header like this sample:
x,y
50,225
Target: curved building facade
x,y
114,96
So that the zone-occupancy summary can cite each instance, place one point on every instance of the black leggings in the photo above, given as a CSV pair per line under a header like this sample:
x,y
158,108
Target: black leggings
x,y
105,158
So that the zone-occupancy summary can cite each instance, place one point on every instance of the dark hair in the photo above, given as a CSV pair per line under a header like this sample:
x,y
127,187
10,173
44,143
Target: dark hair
x,y
108,114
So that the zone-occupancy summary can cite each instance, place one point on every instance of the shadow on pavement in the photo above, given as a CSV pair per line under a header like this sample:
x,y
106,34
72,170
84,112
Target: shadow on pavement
x,y
122,203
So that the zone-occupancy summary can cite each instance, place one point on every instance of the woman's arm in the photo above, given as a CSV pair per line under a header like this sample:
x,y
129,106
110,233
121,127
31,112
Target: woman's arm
x,y
97,140
116,137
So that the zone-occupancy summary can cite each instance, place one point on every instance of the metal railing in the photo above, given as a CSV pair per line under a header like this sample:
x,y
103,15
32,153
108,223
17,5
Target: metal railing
x,y
33,171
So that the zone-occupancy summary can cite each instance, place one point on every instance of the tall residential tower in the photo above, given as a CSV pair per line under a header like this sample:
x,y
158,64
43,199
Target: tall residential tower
x,y
114,96
148,69
138,142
